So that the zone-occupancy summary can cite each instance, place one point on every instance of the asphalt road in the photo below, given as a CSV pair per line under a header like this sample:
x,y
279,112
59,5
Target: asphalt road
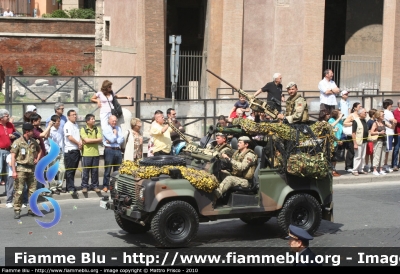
x,y
365,215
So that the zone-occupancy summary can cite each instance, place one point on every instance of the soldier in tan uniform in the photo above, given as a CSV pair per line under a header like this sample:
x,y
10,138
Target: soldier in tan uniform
x,y
26,152
244,162
221,147
296,106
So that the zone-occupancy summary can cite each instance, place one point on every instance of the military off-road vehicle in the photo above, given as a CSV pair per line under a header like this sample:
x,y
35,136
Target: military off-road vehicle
x,y
171,206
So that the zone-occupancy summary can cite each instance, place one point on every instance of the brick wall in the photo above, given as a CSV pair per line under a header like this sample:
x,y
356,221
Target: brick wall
x,y
38,44
155,47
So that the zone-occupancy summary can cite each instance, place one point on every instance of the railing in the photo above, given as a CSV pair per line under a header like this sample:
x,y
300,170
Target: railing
x,y
356,72
76,91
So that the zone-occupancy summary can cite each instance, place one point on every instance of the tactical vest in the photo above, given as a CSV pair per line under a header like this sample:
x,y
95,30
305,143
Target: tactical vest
x,y
247,173
223,148
291,108
26,154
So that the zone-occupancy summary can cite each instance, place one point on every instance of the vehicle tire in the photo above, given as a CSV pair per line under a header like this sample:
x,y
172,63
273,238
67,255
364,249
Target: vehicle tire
x,y
163,160
129,226
175,224
255,221
301,210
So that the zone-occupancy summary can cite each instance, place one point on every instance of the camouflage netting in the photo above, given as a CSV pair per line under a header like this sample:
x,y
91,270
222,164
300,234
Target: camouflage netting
x,y
200,179
300,149
289,132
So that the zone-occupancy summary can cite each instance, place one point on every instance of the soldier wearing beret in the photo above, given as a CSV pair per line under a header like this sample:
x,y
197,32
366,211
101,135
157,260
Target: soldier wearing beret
x,y
221,147
244,162
298,242
296,106
26,152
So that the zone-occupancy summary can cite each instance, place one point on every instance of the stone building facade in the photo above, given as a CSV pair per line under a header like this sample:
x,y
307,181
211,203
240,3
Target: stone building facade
x,y
246,41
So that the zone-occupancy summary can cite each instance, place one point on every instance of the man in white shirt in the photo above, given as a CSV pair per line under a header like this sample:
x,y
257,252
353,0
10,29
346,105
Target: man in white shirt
x,y
8,13
72,147
390,124
112,141
328,90
57,135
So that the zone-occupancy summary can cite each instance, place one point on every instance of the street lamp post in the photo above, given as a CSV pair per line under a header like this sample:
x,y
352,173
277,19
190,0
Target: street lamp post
x,y
175,40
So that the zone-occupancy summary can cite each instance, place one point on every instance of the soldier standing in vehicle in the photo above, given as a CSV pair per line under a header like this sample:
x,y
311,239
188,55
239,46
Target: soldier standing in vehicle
x,y
26,152
296,106
244,162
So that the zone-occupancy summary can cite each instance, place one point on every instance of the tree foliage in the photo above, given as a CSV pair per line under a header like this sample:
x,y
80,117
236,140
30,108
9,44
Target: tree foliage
x,y
72,13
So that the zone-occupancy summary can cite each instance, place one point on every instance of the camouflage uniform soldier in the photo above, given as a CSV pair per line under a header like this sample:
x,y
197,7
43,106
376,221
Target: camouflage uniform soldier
x,y
26,152
221,147
296,106
243,162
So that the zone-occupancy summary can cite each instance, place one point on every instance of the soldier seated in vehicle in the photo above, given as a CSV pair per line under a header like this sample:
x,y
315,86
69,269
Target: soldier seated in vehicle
x,y
221,147
244,162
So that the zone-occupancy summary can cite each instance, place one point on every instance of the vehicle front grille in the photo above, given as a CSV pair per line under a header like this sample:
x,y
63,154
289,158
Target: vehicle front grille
x,y
127,186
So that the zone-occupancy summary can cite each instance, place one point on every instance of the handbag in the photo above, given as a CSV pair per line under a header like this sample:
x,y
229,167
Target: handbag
x,y
117,110
348,130
372,138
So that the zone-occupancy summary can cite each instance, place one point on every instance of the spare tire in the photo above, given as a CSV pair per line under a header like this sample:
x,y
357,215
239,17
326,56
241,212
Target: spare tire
x,y
163,160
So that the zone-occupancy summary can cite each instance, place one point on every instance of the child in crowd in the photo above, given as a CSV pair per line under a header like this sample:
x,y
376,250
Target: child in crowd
x,y
10,183
369,155
344,104
240,108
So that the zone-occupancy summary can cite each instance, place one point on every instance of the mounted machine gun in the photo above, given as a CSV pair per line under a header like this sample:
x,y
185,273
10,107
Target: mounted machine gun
x,y
256,104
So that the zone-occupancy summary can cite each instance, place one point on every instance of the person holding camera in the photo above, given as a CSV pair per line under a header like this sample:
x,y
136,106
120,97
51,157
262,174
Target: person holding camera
x,y
161,133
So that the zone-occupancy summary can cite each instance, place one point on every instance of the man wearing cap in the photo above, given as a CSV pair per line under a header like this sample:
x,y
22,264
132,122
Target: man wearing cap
x,y
296,106
328,91
31,108
244,162
298,242
344,104
26,152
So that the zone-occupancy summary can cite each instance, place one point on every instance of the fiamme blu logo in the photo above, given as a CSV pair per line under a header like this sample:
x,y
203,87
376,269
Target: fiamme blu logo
x,y
51,173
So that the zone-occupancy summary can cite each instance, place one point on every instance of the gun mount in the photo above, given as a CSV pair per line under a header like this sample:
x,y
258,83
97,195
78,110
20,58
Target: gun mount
x,y
256,104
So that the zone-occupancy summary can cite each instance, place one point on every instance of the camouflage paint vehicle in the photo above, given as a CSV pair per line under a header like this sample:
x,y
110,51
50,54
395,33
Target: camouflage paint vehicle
x,y
172,208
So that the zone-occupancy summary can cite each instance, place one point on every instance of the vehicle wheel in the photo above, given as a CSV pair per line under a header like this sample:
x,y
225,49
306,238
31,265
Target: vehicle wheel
x,y
255,221
129,226
163,160
301,210
175,224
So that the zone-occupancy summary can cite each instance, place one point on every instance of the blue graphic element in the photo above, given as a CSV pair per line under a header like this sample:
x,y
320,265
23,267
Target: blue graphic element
x,y
35,209
179,147
45,161
50,175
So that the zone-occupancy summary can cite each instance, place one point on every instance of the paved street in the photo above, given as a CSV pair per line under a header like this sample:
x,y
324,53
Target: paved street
x,y
365,215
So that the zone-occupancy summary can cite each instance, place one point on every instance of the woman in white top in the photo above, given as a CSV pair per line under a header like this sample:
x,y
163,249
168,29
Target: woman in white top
x,y
134,141
349,139
104,99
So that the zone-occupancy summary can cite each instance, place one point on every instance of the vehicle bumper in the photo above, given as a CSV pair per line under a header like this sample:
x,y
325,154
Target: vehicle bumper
x,y
125,211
